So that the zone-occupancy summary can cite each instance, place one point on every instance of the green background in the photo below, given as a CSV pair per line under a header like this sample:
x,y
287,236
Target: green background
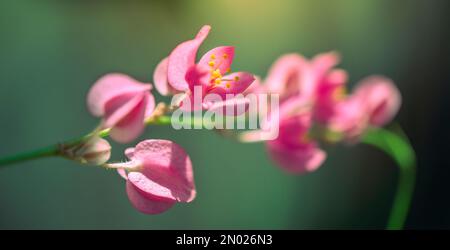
x,y
51,52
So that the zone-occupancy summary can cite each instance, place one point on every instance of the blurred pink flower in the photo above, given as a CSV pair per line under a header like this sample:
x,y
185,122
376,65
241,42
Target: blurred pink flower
x,y
328,85
287,76
123,102
158,175
315,106
293,74
180,74
374,102
293,150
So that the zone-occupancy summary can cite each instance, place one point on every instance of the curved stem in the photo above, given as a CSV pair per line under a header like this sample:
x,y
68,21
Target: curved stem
x,y
397,146
55,150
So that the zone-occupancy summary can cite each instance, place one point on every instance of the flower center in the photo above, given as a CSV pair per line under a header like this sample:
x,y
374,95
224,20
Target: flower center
x,y
216,77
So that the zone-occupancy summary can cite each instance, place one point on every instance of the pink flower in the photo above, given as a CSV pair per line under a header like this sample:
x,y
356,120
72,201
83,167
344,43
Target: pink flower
x,y
293,150
159,175
123,102
313,94
293,74
180,73
287,76
328,87
374,102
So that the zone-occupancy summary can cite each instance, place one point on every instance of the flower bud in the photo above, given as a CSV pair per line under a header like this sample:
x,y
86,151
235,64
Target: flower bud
x,y
95,151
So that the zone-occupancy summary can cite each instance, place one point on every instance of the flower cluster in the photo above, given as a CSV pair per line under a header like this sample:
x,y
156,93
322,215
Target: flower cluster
x,y
315,106
159,172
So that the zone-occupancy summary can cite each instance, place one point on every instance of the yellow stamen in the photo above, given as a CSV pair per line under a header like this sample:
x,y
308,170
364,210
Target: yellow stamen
x,y
228,85
339,93
213,56
211,63
225,56
216,74
236,78
217,81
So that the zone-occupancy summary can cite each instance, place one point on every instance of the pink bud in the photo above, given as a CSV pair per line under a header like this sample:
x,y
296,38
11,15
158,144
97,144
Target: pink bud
x,y
94,151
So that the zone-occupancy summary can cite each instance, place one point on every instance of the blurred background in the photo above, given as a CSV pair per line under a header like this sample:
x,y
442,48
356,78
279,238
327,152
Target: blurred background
x,y
51,52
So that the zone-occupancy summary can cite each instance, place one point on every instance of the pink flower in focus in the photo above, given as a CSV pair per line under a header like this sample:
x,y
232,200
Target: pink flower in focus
x,y
123,102
179,73
294,150
374,102
159,175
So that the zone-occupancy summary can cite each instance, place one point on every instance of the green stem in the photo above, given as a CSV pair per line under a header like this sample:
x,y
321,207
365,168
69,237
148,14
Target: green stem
x,y
398,147
52,150
55,150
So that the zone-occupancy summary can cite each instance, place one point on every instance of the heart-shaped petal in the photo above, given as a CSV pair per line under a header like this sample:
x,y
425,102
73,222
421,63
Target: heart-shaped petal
x,y
146,204
182,58
111,86
219,58
165,164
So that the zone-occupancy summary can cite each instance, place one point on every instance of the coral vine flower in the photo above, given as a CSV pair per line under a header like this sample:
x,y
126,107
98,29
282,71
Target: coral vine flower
x,y
159,174
327,85
374,102
180,73
313,95
294,150
123,102
315,80
287,76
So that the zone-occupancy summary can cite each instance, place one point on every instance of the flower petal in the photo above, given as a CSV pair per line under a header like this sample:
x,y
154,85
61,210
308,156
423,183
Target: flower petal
x,y
381,97
285,75
350,117
329,93
235,83
160,79
150,105
296,160
197,75
238,106
324,62
129,153
256,87
182,58
218,58
120,106
168,166
110,86
123,173
150,188
145,204
129,120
